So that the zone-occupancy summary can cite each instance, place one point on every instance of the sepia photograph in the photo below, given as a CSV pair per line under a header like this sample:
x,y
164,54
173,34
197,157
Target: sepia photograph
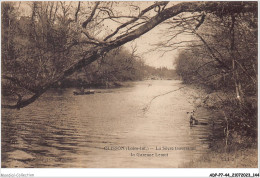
x,y
129,84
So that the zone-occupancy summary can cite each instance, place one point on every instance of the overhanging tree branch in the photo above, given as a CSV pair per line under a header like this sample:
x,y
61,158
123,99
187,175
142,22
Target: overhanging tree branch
x,y
19,83
135,19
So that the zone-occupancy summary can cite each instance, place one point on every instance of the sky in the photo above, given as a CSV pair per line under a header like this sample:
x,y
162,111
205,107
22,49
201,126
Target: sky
x,y
146,49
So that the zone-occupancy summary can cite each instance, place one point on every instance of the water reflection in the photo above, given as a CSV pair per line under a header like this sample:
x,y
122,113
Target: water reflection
x,y
63,130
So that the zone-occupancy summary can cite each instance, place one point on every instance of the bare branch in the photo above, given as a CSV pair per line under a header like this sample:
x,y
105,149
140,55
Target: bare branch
x,y
201,21
85,23
77,11
94,41
211,51
22,103
135,19
19,83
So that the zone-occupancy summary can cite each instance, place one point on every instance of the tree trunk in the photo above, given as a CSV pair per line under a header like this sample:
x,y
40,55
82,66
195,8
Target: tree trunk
x,y
238,87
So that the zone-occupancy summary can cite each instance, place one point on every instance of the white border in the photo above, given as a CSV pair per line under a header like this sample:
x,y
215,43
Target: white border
x,y
129,172
125,172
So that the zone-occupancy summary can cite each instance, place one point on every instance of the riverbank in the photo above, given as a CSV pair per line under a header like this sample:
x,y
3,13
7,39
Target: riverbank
x,y
242,158
233,142
222,158
78,84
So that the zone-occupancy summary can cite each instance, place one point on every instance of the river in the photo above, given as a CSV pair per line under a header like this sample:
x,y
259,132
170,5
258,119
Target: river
x,y
120,128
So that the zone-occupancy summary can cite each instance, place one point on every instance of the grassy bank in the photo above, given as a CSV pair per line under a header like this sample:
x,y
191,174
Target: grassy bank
x,y
234,139
241,158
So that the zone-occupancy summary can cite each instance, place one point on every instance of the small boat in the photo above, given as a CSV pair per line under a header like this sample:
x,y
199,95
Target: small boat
x,y
89,92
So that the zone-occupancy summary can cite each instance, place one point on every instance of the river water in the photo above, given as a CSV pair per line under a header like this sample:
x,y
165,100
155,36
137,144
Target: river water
x,y
121,128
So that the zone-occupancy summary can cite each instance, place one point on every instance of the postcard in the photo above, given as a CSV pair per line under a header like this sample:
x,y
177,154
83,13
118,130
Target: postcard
x,y
129,84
